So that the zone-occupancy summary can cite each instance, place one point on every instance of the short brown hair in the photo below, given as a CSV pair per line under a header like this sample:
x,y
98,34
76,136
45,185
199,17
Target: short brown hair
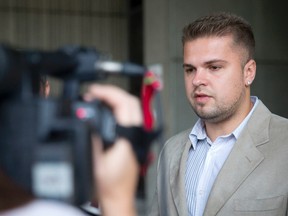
x,y
222,24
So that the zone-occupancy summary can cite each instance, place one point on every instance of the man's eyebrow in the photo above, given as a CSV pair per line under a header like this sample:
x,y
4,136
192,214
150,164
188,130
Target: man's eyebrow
x,y
215,61
187,65
206,63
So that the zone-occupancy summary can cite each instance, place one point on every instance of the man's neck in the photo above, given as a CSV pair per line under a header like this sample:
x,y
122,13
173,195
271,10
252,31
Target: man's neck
x,y
227,126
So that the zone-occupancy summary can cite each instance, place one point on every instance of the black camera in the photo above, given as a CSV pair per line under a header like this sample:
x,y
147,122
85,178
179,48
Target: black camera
x,y
45,143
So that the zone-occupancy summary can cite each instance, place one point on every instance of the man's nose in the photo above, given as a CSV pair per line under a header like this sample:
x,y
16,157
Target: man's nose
x,y
200,78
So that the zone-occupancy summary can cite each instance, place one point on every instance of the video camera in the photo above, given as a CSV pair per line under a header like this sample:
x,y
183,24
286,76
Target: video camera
x,y
45,144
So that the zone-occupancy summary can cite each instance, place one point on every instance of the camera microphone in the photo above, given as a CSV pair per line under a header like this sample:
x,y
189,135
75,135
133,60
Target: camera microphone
x,y
125,68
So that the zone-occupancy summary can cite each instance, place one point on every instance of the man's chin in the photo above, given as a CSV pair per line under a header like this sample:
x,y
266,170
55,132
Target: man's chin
x,y
208,116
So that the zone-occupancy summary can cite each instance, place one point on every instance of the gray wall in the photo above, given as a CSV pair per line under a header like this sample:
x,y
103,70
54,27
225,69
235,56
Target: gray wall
x,y
50,24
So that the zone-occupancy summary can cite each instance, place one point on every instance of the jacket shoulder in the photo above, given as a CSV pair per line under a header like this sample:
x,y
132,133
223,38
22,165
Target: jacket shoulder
x,y
175,145
278,127
276,119
178,139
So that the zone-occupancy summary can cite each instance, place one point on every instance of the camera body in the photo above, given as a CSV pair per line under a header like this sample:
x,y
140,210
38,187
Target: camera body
x,y
45,144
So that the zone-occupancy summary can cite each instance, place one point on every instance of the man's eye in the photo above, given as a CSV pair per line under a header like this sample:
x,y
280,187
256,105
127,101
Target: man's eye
x,y
189,70
214,67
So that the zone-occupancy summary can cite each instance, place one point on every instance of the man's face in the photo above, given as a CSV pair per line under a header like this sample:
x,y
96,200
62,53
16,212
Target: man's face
x,y
214,77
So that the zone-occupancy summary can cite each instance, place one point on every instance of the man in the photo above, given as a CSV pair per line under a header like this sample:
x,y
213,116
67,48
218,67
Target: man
x,y
116,170
234,160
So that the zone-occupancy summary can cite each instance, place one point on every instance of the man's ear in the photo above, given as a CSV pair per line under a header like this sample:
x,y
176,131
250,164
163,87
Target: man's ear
x,y
249,72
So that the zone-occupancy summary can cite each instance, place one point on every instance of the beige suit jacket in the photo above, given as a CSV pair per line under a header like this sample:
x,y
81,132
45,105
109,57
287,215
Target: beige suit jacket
x,y
252,181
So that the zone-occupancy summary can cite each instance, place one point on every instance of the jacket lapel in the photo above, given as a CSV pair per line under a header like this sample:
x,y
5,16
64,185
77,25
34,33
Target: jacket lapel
x,y
177,175
242,160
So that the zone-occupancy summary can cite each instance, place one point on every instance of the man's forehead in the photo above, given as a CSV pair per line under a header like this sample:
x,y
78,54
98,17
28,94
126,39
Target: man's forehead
x,y
208,43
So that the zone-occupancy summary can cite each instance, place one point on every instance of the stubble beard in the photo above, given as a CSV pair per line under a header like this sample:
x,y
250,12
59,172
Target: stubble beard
x,y
219,112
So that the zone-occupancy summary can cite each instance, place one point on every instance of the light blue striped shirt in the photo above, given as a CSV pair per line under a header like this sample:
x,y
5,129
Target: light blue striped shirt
x,y
205,159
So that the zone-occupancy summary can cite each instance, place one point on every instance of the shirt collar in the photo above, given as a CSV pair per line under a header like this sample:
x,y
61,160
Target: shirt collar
x,y
198,132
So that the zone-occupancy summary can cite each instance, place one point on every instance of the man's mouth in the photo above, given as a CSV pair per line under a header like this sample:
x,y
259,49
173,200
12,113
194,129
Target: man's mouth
x,y
201,98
